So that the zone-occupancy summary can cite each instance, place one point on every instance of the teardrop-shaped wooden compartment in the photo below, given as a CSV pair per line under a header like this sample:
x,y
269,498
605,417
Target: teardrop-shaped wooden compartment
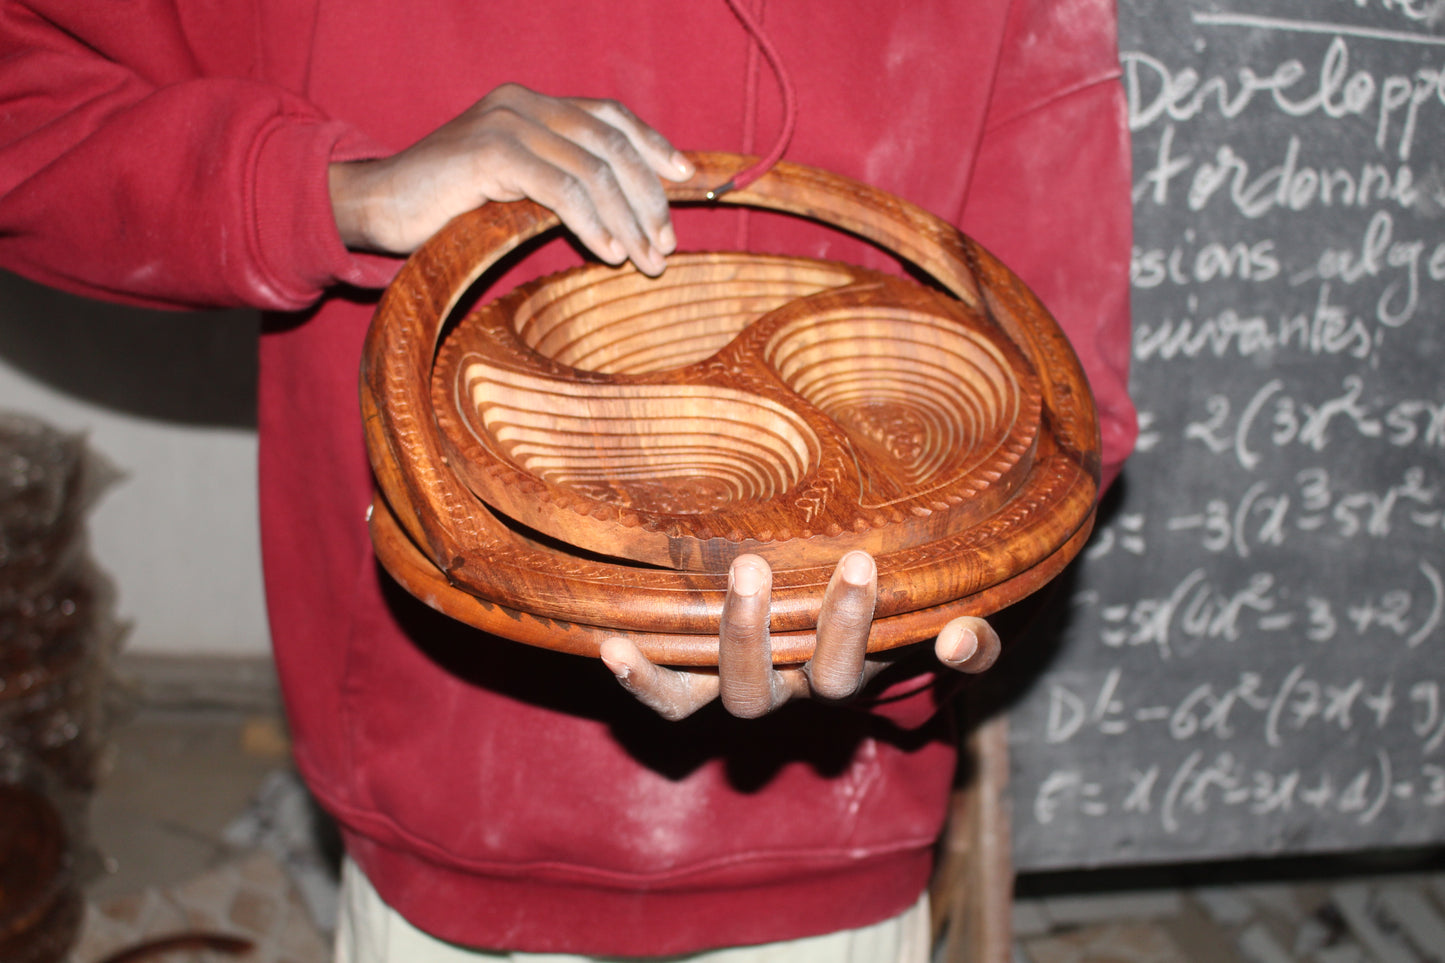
x,y
583,457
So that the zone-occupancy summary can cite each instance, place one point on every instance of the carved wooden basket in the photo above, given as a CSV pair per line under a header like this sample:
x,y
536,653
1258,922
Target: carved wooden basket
x,y
584,457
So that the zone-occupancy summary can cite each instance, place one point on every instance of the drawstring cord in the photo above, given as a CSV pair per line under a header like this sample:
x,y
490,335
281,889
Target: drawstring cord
x,y
790,105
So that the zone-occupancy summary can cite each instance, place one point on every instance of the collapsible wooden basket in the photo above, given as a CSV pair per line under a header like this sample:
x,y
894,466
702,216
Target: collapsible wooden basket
x,y
584,456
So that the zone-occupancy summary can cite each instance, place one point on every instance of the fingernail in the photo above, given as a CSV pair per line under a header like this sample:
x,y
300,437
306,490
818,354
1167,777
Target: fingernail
x,y
667,239
963,647
656,261
622,670
747,580
683,165
857,569
613,252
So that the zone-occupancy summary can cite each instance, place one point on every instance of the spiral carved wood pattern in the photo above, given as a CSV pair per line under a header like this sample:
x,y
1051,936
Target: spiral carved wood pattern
x,y
583,456
869,413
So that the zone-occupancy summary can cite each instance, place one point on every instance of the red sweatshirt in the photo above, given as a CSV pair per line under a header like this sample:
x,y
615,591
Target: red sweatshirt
x,y
174,153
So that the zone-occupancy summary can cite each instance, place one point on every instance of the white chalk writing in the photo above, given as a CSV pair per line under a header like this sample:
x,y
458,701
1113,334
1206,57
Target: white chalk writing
x,y
1254,654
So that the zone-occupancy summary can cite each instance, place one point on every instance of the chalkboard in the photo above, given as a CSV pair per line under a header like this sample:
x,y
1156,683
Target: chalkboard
x,y
1254,656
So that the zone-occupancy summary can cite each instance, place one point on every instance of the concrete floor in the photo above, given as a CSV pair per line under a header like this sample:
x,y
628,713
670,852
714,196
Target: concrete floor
x,y
200,822
181,840
177,780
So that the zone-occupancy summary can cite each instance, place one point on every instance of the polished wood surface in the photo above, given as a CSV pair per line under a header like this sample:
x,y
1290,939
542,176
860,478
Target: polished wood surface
x,y
584,456
40,902
416,573
779,406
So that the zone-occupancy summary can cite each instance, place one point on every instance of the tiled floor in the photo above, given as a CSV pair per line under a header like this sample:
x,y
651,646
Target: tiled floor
x,y
247,902
1345,910
185,832
176,780
202,825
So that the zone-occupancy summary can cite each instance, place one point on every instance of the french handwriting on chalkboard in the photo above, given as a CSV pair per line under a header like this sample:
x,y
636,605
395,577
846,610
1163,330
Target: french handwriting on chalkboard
x,y
1255,660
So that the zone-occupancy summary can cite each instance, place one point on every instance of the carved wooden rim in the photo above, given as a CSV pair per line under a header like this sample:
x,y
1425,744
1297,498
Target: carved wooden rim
x,y
415,573
459,536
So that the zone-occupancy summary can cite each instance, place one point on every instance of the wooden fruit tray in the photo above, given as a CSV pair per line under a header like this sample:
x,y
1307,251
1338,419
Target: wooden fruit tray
x,y
780,406
585,456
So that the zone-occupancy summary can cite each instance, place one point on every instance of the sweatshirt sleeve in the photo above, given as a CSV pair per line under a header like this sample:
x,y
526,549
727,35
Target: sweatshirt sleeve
x,y
1050,193
134,167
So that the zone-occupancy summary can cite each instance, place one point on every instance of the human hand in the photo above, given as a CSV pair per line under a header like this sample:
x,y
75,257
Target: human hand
x,y
592,162
746,679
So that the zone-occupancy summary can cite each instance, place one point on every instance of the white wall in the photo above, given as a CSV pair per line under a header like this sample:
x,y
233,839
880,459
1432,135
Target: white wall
x,y
168,398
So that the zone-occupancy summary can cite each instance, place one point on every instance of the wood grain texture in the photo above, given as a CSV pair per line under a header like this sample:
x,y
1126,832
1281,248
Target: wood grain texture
x,y
40,903
723,417
416,573
641,433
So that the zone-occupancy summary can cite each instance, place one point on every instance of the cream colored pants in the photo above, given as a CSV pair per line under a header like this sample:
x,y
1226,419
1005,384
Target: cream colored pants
x,y
369,931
